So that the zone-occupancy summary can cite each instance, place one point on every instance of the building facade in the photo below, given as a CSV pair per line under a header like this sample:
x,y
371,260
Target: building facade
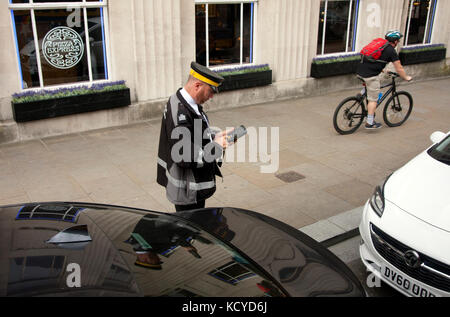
x,y
149,44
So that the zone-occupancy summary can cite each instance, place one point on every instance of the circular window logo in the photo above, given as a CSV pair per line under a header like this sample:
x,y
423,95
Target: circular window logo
x,y
62,47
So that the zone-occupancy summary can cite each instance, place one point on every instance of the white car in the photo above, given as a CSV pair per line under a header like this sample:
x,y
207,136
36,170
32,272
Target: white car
x,y
405,226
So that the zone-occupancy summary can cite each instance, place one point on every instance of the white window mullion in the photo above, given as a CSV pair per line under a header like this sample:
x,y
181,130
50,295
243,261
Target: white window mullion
x,y
348,24
409,21
207,34
241,53
426,24
107,47
433,16
88,43
36,48
255,33
324,27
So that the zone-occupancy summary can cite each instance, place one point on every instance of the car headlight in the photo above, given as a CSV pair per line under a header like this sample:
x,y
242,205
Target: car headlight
x,y
377,201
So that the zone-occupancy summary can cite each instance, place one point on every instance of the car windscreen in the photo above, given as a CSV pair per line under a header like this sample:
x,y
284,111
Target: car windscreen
x,y
441,151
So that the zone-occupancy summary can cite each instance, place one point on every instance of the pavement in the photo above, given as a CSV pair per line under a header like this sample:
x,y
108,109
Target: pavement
x,y
335,174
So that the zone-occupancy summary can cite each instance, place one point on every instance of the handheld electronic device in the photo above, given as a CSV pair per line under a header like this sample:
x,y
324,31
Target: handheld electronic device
x,y
236,134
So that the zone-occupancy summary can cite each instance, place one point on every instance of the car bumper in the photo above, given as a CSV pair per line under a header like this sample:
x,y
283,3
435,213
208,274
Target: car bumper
x,y
383,269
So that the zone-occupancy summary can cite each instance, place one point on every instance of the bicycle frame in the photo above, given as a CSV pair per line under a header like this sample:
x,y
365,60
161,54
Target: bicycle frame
x,y
385,95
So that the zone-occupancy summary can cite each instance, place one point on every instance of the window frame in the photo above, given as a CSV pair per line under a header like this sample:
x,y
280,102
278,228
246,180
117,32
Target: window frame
x,y
355,29
252,38
427,35
232,279
83,5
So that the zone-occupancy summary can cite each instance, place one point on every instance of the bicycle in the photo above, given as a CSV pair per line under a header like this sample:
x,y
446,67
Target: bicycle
x,y
351,112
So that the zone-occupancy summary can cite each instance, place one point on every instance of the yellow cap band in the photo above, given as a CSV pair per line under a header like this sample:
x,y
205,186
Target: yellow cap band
x,y
203,78
148,264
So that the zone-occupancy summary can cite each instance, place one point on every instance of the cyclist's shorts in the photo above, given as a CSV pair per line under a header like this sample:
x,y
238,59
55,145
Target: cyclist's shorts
x,y
373,87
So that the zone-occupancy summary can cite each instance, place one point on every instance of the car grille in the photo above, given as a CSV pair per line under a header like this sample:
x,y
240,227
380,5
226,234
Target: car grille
x,y
432,272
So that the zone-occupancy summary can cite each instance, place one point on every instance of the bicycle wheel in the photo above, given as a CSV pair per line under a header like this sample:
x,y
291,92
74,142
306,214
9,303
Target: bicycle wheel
x,y
398,108
349,115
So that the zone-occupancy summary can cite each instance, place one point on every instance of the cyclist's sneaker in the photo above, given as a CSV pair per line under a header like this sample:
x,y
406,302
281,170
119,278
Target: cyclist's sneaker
x,y
374,125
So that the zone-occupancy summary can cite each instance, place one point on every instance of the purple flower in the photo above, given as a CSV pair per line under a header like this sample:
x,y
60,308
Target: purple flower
x,y
242,69
336,57
422,47
49,93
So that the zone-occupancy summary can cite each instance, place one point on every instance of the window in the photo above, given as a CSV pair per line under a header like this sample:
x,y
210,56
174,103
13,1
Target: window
x,y
419,25
232,273
224,32
441,151
337,26
61,31
34,273
49,212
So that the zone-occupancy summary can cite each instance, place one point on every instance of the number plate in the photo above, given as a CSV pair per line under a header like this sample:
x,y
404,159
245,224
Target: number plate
x,y
405,283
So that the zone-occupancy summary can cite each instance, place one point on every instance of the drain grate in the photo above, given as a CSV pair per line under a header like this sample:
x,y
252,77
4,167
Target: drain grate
x,y
290,177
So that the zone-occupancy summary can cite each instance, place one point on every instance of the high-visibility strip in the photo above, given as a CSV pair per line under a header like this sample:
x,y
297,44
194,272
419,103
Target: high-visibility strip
x,y
162,163
203,78
200,158
141,241
182,184
202,186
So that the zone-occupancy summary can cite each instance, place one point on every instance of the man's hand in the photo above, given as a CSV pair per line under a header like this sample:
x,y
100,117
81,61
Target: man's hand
x,y
408,78
221,138
149,258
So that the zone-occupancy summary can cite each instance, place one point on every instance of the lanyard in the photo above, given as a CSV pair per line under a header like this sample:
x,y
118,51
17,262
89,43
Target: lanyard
x,y
207,123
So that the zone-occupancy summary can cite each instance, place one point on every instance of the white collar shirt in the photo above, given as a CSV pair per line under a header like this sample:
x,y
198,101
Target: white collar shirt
x,y
194,106
190,101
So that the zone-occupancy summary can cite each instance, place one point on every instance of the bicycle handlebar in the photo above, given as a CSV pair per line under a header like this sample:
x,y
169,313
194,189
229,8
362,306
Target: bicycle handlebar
x,y
394,74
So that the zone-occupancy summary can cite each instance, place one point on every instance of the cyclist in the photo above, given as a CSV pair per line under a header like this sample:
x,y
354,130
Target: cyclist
x,y
369,71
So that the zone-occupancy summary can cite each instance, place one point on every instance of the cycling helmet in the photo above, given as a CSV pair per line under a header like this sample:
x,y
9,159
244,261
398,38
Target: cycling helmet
x,y
393,36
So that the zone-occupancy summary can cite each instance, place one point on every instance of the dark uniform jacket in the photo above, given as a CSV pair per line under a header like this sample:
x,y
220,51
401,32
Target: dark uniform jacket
x,y
186,156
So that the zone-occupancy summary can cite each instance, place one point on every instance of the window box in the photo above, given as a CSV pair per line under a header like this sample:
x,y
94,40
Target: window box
x,y
422,54
36,106
334,65
245,77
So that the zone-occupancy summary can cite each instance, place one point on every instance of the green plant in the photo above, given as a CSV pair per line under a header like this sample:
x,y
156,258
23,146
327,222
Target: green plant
x,y
336,58
422,48
243,70
33,95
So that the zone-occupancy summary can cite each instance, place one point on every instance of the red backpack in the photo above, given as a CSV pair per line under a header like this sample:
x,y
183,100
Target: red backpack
x,y
373,50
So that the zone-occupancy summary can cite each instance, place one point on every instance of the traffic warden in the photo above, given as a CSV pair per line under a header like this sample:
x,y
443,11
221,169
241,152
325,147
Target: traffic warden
x,y
189,149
